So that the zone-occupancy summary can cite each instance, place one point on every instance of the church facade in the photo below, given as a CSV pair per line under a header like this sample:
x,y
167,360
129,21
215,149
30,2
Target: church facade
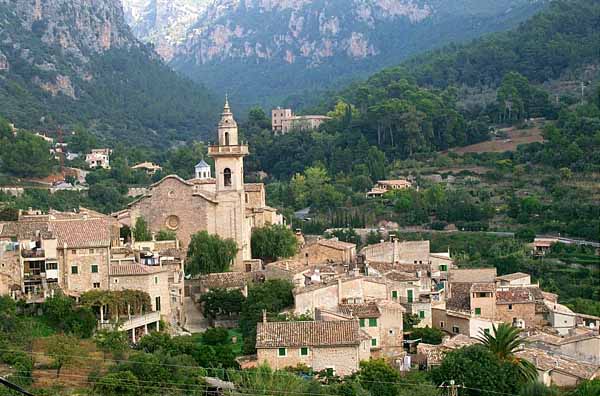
x,y
223,205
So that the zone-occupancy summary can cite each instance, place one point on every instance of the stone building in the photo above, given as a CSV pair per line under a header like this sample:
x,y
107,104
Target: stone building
x,y
284,121
69,251
99,158
335,346
348,289
382,320
224,206
327,251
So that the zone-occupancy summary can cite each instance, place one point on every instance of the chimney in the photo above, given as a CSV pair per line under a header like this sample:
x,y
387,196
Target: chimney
x,y
340,294
264,316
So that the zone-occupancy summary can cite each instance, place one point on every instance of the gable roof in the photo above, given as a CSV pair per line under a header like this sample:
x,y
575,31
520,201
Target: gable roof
x,y
515,295
513,276
82,233
306,334
472,275
133,269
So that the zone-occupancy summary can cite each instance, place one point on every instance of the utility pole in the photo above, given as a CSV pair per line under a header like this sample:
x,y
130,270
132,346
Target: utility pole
x,y
452,389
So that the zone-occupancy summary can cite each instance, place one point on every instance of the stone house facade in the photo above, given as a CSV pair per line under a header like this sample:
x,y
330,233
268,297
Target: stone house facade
x,y
348,289
335,346
324,251
152,280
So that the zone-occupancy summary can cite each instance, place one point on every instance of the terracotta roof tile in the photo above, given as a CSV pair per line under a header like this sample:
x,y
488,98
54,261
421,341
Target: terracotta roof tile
x,y
473,275
366,310
513,276
133,269
515,296
401,276
82,233
299,334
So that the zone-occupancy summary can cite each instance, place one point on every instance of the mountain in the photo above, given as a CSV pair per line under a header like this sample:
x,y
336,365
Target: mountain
x,y
163,23
262,51
68,62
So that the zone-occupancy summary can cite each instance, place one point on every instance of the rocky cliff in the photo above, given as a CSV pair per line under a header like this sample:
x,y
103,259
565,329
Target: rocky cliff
x,y
278,47
70,61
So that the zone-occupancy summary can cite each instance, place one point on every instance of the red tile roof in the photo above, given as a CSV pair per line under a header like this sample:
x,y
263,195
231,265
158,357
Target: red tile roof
x,y
301,334
82,233
133,269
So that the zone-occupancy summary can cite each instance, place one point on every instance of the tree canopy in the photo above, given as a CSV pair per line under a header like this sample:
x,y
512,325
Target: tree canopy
x,y
209,253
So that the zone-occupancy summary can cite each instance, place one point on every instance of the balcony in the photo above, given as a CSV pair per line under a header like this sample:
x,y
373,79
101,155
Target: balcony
x,y
228,150
131,323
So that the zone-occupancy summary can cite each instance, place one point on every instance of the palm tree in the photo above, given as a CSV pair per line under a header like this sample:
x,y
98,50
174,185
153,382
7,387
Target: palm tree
x,y
503,342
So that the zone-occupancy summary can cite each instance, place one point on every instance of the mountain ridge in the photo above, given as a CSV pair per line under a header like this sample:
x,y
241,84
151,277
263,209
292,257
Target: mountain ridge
x,y
280,48
76,62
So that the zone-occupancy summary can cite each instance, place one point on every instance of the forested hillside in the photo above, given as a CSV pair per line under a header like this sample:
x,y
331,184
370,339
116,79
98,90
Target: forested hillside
x,y
64,63
401,122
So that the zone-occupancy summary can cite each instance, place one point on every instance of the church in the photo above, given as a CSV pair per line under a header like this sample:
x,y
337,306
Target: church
x,y
223,205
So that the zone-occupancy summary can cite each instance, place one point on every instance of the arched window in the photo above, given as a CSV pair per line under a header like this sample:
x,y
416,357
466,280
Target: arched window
x,y
226,138
227,177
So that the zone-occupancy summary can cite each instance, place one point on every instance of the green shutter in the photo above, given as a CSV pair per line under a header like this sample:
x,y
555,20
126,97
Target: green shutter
x,y
94,268
421,314
443,267
74,269
394,294
373,341
372,322
362,322
477,311
304,351
282,352
409,295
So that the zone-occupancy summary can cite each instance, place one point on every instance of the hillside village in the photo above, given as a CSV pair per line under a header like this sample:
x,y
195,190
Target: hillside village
x,y
348,307
376,218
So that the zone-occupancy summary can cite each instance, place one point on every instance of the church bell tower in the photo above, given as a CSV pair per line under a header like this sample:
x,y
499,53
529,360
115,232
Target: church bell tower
x,y
228,154
230,217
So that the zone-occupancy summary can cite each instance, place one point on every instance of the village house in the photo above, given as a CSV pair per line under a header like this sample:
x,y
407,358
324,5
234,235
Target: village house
x,y
99,158
148,167
327,251
284,121
333,346
223,206
69,251
383,186
302,274
382,320
155,267
582,344
559,370
76,252
348,289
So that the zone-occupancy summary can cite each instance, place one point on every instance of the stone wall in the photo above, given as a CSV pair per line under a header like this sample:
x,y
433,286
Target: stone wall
x,y
83,259
10,267
329,296
173,206
524,311
343,359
